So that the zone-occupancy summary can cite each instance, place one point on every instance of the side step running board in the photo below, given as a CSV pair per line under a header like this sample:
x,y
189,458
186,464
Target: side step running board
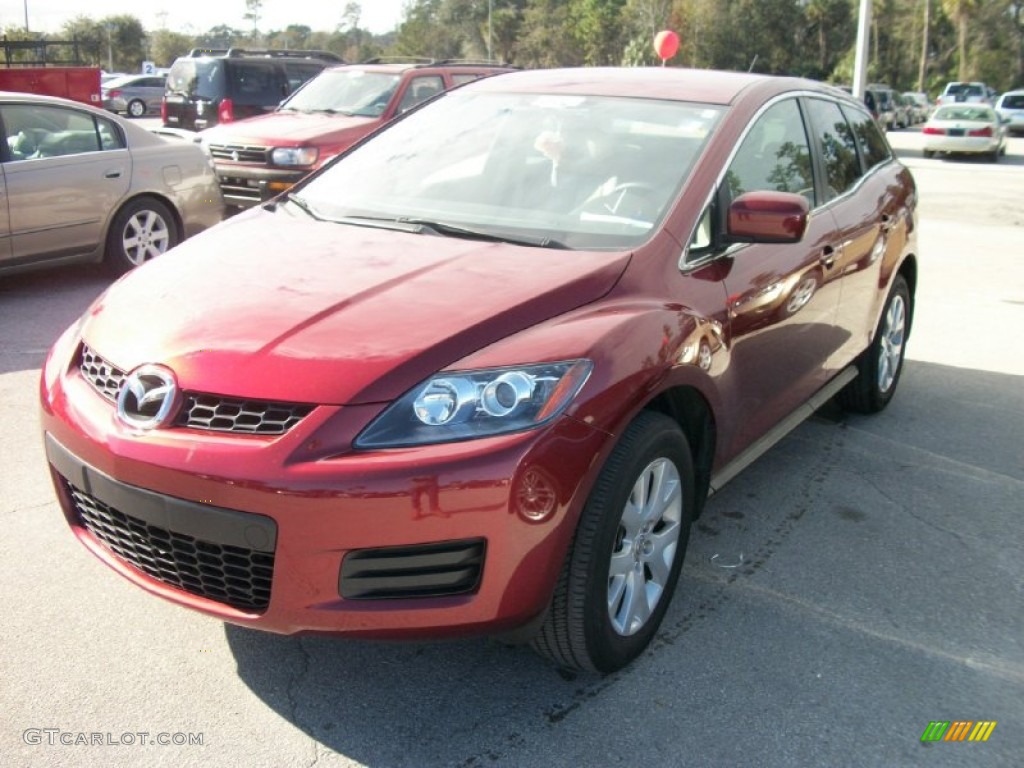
x,y
780,430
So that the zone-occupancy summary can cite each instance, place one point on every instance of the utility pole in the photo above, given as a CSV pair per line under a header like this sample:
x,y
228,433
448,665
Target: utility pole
x,y
860,66
923,69
26,15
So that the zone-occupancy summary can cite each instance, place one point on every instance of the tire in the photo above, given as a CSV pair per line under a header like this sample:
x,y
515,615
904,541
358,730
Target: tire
x,y
599,618
136,108
143,229
929,153
880,366
993,156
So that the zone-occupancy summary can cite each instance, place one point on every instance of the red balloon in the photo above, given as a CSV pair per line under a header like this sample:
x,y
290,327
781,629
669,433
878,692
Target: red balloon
x,y
666,44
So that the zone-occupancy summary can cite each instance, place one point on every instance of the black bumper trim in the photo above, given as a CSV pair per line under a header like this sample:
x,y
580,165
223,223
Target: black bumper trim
x,y
201,521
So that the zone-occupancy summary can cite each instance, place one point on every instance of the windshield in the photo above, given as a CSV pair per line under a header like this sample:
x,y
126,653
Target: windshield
x,y
349,91
583,172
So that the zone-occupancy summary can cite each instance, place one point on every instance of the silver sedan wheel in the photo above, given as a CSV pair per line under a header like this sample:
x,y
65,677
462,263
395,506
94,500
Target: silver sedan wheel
x,y
146,236
645,547
890,351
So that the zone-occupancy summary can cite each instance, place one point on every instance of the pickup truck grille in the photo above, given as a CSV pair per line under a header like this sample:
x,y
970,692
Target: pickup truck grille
x,y
240,153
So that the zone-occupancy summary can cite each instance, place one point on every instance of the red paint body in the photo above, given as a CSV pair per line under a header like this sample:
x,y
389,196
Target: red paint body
x,y
271,305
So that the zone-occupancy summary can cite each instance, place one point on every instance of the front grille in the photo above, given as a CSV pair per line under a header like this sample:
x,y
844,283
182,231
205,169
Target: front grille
x,y
240,153
233,575
226,414
423,570
105,378
213,413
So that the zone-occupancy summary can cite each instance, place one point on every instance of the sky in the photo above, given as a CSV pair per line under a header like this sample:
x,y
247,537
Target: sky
x,y
199,15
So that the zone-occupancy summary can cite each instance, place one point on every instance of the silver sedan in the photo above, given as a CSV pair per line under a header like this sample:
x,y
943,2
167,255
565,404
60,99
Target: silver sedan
x,y
83,185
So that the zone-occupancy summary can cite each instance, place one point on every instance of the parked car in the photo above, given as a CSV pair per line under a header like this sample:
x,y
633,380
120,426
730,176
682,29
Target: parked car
x,y
904,108
479,374
920,105
81,184
884,99
965,128
134,95
211,86
1010,107
264,155
959,92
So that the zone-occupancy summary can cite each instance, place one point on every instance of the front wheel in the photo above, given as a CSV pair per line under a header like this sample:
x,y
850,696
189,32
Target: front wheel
x,y
143,229
621,570
880,366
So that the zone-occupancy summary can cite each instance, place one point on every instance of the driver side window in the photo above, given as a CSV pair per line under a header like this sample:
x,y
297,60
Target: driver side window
x,y
775,155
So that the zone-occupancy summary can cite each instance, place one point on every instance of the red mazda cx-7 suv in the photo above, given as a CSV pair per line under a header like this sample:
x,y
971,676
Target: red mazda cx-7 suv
x,y
479,373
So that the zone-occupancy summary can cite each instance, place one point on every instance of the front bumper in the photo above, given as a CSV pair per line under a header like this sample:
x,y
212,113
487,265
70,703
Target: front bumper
x,y
245,186
352,545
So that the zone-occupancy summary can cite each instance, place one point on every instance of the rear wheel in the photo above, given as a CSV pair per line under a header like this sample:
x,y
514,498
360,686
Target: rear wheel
x,y
621,570
929,153
143,229
136,108
879,367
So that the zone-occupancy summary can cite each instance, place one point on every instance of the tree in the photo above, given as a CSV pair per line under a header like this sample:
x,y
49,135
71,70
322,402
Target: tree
x,y
961,11
252,13
166,45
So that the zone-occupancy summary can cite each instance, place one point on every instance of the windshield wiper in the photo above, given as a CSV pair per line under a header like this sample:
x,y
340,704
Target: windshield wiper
x,y
454,230
291,197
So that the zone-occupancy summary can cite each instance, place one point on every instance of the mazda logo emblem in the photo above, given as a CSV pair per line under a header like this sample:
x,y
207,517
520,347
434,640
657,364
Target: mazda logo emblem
x,y
148,397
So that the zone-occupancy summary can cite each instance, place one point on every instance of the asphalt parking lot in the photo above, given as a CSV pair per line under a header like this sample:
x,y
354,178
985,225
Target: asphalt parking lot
x,y
861,580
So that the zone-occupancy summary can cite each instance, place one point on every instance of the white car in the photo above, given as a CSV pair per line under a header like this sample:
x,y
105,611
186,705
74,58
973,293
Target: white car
x,y
1011,108
965,128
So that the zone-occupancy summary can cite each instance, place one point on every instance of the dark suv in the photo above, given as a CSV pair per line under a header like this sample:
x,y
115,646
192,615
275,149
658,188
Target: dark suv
x,y
262,157
211,86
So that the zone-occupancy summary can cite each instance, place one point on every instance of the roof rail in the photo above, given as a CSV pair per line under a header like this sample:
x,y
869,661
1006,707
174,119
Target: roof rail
x,y
291,53
473,62
399,60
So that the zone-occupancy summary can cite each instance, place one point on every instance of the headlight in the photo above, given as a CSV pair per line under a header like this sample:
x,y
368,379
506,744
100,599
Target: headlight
x,y
468,404
294,155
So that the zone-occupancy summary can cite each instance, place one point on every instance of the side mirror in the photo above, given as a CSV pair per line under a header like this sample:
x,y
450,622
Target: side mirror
x,y
767,217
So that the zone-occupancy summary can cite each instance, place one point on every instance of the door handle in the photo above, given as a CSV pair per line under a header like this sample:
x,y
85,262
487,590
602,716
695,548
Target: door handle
x,y
828,257
114,173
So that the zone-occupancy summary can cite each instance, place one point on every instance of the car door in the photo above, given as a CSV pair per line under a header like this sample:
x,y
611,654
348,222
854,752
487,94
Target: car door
x,y
781,298
66,171
5,222
863,197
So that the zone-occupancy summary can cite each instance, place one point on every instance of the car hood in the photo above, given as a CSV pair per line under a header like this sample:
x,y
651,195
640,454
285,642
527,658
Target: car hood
x,y
298,127
271,306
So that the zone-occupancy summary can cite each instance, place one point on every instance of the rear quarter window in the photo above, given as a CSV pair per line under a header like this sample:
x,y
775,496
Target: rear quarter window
x,y
873,147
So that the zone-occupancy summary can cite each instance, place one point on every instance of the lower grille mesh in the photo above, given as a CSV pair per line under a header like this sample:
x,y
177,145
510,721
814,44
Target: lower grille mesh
x,y
232,575
423,570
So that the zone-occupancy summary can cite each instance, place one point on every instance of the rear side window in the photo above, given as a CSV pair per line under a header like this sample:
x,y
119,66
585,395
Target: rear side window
x,y
873,147
1013,101
299,72
35,132
256,83
837,145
